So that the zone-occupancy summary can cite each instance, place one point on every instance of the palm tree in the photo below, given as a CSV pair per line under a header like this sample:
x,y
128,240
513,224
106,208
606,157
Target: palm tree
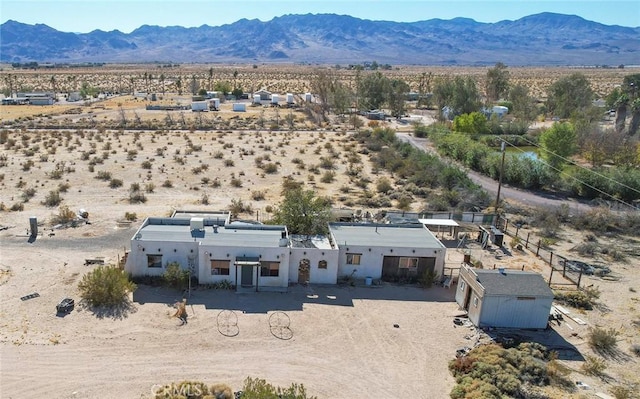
x,y
635,117
210,78
621,111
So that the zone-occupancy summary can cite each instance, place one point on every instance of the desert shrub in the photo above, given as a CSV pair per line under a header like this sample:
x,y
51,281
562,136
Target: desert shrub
x,y
603,341
65,215
52,199
146,165
105,286
228,163
103,175
621,392
328,176
257,195
593,366
270,168
384,185
115,183
221,391
28,194
17,207
256,388
578,299
428,278
492,371
149,187
174,276
167,184
635,348
238,207
135,195
131,216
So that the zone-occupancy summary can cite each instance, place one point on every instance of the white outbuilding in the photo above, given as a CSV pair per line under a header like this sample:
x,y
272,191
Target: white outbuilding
x,y
504,298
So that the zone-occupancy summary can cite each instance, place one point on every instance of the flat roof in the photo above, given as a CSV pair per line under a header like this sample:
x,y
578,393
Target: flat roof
x,y
439,222
513,283
314,241
231,236
385,235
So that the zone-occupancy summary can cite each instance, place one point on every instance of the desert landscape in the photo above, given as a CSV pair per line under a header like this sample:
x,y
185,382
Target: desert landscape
x,y
121,163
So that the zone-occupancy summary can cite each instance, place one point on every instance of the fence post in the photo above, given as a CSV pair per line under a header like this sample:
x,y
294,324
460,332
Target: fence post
x,y
551,260
579,278
526,244
551,276
517,230
538,249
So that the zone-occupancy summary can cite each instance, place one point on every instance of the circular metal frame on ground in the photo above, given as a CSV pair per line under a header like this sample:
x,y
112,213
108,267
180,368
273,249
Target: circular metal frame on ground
x,y
279,323
227,323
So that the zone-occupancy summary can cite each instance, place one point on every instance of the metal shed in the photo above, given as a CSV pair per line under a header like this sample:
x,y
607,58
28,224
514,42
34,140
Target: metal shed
x,y
504,298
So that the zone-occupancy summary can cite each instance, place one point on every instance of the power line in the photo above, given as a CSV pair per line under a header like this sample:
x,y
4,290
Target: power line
x,y
579,166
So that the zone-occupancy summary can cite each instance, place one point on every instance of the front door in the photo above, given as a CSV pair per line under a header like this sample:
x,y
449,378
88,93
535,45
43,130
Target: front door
x,y
246,277
304,271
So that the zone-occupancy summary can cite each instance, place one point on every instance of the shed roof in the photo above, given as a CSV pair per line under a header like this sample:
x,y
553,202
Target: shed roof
x,y
513,283
384,235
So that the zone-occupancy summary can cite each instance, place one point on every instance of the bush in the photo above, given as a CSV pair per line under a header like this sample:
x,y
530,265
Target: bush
x,y
174,276
115,183
594,366
105,286
603,341
52,199
65,215
260,389
576,299
130,216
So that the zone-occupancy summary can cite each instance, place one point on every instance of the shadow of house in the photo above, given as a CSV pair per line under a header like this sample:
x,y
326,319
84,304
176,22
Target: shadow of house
x,y
292,300
549,338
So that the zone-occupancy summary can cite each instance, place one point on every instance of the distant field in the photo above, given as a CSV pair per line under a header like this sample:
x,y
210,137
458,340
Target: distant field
x,y
276,78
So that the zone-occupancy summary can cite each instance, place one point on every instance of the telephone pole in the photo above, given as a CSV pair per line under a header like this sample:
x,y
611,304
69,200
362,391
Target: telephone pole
x,y
502,148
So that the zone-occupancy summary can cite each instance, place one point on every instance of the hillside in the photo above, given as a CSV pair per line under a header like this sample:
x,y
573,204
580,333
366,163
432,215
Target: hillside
x,y
541,39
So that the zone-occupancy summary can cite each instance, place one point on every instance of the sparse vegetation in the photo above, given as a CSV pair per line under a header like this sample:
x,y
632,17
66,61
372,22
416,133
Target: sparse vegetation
x,y
106,286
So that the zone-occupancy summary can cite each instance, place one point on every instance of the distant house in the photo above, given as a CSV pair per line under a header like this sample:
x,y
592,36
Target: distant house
x,y
41,100
264,94
504,298
375,115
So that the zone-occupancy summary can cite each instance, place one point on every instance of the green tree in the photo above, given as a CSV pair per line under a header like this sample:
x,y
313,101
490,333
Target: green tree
x,y
162,79
105,286
396,98
635,117
523,105
497,82
569,94
424,90
223,87
558,142
303,212
474,123
373,89
460,94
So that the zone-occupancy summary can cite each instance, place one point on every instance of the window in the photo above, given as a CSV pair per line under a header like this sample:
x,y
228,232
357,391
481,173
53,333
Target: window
x,y
219,267
269,269
475,301
154,260
353,259
408,263
322,264
462,285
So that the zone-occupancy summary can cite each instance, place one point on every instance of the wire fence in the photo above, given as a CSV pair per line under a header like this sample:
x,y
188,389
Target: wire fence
x,y
557,262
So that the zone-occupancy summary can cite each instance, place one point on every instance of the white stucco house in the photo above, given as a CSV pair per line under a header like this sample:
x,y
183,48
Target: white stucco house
x,y
264,257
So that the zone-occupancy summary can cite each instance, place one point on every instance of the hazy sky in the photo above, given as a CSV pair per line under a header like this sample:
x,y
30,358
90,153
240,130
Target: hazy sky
x,y
126,15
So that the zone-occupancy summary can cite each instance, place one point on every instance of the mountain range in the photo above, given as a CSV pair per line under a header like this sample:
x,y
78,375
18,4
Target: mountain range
x,y
540,39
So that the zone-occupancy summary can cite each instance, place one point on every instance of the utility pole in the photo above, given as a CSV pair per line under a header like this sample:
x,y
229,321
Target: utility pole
x,y
502,148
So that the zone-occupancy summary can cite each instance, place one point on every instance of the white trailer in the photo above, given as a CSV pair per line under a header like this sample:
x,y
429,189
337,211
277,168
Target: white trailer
x,y
274,99
239,107
256,99
199,106
290,98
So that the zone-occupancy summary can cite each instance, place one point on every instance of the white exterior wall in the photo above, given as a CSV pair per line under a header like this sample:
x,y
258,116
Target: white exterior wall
x,y
208,253
315,255
137,264
509,312
372,257
239,107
